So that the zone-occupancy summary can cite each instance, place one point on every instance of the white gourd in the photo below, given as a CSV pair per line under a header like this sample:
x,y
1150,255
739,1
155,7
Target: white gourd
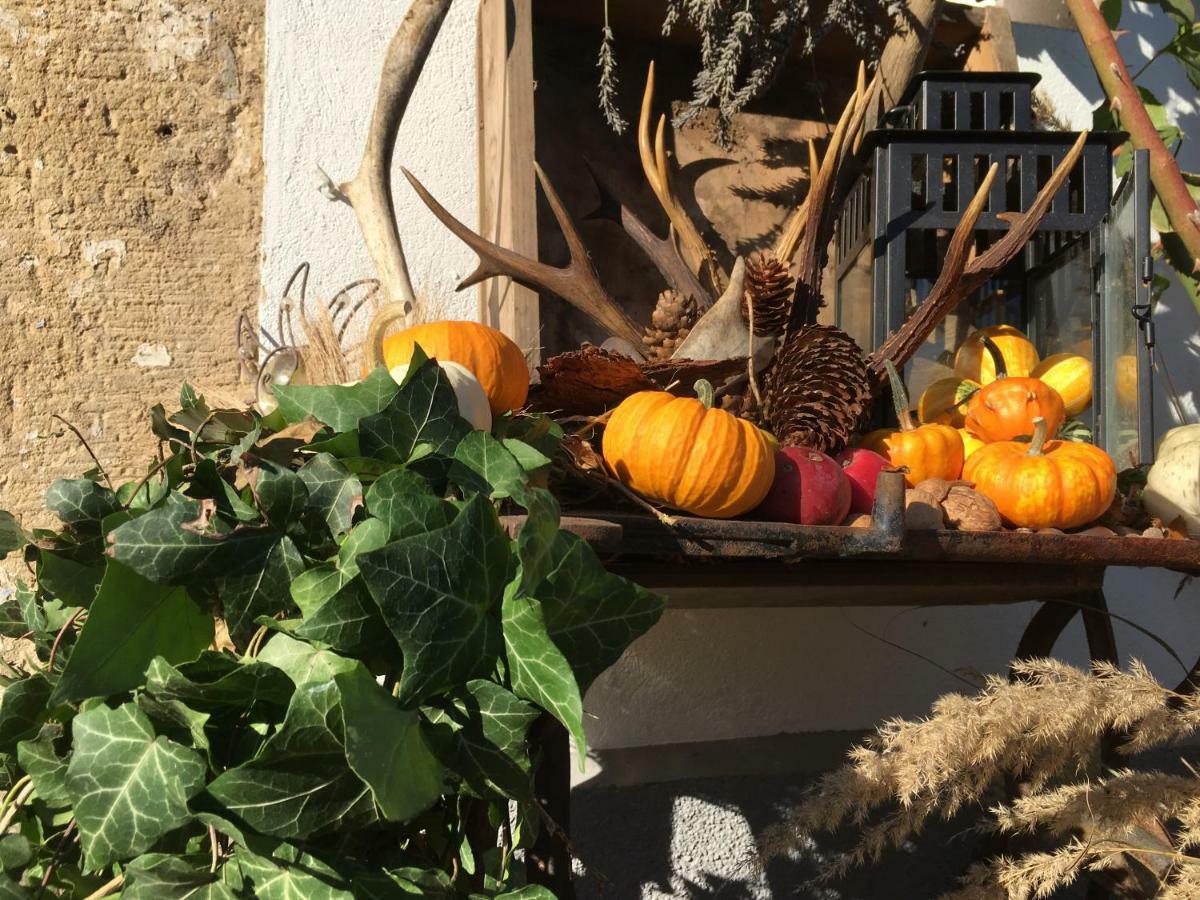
x,y
1173,482
472,399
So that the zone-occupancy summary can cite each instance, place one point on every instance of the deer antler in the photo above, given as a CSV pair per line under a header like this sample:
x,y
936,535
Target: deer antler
x,y
369,193
654,163
660,251
961,274
577,282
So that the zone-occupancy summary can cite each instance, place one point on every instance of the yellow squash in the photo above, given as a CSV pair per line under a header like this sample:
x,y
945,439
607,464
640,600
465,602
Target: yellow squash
x,y
944,402
972,361
1070,375
679,452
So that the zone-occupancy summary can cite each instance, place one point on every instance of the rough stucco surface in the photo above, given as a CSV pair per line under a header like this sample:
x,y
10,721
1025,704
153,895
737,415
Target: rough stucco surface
x,y
131,177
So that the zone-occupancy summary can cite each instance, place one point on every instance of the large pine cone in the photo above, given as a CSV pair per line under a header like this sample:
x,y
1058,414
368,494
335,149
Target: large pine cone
x,y
674,316
770,288
818,393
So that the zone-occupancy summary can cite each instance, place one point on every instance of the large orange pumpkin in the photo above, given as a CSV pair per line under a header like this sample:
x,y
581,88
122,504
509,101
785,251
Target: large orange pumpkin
x,y
680,452
1044,484
945,401
925,451
972,360
491,357
1070,375
1007,407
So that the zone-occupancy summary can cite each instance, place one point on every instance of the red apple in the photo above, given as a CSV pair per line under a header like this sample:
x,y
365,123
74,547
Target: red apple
x,y
862,468
809,489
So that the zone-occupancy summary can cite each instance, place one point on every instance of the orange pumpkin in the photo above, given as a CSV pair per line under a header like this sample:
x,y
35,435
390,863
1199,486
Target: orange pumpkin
x,y
925,451
1070,375
680,452
1007,407
1044,484
945,401
970,443
972,361
490,355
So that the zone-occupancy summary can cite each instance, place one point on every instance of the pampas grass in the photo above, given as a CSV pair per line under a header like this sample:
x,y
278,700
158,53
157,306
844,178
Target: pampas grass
x,y
1043,729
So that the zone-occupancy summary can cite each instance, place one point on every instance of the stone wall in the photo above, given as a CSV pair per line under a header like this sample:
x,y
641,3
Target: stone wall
x,y
131,187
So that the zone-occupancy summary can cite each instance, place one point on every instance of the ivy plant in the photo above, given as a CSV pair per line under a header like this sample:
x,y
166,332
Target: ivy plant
x,y
301,656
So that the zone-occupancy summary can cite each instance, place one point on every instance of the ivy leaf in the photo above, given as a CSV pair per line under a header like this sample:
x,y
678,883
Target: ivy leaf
x,y
340,407
165,876
219,684
591,614
281,492
131,622
484,464
128,787
22,710
349,622
385,748
284,873
299,783
45,768
260,584
1183,11
32,613
176,720
72,582
333,493
539,671
478,732
1111,10
366,536
529,892
303,663
15,852
11,536
10,890
424,411
436,592
535,540
530,458
419,883
167,545
313,587
403,501
80,502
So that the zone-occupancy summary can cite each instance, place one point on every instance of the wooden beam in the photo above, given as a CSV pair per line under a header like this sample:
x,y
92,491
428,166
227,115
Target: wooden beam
x,y
507,187
995,51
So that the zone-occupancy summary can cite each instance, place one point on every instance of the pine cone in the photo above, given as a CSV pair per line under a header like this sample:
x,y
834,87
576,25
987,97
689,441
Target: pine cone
x,y
818,393
770,288
672,319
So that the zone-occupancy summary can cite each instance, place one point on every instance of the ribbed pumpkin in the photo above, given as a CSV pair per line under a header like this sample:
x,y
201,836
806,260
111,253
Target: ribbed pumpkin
x,y
1044,484
926,451
682,453
490,355
1071,375
1007,407
973,362
944,402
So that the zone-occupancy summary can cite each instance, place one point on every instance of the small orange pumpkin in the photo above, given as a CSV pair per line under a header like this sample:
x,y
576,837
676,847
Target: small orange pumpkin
x,y
945,401
925,451
1007,407
1044,484
681,452
972,360
490,355
1070,375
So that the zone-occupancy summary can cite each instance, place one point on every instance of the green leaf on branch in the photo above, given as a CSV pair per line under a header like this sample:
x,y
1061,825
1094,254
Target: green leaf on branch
x,y
366,536
303,663
260,584
424,411
11,536
45,768
539,671
163,876
72,582
128,786
437,592
1111,10
284,873
281,493
22,710
483,464
221,685
338,406
479,733
333,493
349,622
385,748
131,622
80,502
402,499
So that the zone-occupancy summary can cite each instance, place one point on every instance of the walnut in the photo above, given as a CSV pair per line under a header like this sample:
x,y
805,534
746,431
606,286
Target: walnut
x,y
956,503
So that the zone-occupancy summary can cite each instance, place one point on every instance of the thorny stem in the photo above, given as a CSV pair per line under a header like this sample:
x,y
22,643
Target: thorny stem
x,y
899,396
87,447
1114,76
154,470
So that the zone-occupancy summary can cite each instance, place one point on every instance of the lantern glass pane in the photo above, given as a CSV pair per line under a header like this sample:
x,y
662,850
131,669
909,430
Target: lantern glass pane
x,y
854,299
1120,368
1060,307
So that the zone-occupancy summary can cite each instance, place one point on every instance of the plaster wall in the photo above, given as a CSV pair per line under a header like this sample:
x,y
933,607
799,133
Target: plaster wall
x,y
699,675
130,180
323,63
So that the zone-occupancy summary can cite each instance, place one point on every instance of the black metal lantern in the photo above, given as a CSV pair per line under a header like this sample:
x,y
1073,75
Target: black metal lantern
x,y
1081,285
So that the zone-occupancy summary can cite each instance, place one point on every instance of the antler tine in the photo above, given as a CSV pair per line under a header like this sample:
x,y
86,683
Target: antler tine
x,y
961,275
654,163
577,282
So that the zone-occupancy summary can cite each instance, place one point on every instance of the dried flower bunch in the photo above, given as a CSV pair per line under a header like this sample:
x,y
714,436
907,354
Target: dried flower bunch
x,y
1042,728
